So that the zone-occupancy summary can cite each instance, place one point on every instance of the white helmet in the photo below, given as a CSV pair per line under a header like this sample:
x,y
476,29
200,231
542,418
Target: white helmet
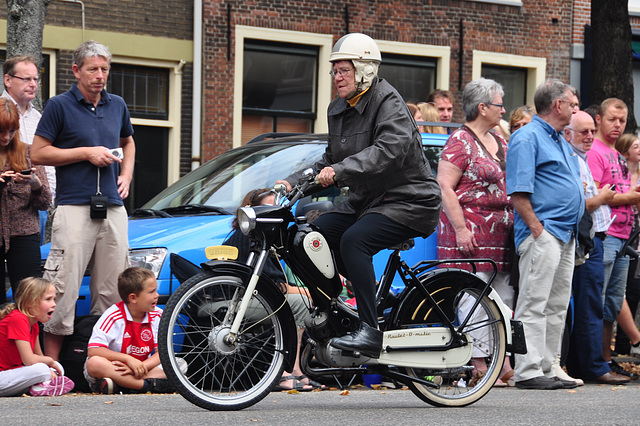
x,y
355,46
364,53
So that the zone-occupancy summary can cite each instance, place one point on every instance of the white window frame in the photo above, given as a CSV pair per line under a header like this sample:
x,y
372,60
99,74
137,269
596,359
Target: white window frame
x,y
53,60
323,41
504,2
173,121
535,66
442,55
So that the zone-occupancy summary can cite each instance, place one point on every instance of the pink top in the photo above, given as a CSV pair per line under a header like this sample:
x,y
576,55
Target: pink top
x,y
608,166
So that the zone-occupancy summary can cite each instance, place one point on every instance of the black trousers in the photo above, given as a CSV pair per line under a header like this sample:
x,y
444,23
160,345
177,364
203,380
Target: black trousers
x,y
354,243
23,260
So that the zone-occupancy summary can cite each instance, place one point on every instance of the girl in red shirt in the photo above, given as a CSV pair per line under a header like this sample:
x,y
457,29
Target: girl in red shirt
x,y
22,364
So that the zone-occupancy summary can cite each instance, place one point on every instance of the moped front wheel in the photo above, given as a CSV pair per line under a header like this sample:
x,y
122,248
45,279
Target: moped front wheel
x,y
223,372
458,386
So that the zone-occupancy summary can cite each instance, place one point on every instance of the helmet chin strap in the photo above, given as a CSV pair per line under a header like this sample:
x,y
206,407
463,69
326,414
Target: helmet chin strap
x,y
359,89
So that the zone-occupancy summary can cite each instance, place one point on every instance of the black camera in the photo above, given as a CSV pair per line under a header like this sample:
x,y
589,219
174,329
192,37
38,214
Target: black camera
x,y
99,205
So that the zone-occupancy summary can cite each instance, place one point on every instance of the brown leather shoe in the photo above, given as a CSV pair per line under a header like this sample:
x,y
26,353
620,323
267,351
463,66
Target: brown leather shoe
x,y
612,378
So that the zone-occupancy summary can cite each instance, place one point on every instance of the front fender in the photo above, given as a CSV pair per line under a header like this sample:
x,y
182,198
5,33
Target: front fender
x,y
267,288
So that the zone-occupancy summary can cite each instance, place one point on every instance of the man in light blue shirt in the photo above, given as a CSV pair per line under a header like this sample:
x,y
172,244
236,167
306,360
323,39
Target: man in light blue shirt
x,y
543,180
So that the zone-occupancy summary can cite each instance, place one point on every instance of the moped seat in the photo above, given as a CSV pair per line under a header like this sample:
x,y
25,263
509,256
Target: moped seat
x,y
404,246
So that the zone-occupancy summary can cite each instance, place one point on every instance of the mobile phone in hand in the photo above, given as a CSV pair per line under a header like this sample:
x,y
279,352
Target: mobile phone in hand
x,y
613,187
26,172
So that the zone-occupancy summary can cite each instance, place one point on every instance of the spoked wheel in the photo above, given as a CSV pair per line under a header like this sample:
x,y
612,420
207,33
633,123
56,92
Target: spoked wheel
x,y
222,374
466,384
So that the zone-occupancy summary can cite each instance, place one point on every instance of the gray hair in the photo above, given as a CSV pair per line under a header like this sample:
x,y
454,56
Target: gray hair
x,y
476,92
90,49
547,93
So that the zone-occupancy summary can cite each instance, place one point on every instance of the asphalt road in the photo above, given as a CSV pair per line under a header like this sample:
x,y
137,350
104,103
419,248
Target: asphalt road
x,y
590,404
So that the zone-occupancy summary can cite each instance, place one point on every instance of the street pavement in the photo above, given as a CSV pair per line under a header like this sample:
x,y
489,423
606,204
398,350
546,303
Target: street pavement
x,y
590,404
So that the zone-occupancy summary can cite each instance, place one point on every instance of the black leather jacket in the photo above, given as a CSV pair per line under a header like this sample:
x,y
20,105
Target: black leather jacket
x,y
376,150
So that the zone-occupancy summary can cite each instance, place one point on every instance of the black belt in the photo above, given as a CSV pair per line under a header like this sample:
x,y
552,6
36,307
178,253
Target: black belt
x,y
601,235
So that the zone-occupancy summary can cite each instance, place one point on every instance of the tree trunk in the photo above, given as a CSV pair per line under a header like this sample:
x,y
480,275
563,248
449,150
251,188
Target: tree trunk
x,y
25,25
612,56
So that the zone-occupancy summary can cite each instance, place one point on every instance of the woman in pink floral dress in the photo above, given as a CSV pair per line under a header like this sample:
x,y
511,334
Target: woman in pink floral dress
x,y
477,216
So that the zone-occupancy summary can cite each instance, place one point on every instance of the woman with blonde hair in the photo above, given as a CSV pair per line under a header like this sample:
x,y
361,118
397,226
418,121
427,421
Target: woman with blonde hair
x,y
519,117
430,113
24,191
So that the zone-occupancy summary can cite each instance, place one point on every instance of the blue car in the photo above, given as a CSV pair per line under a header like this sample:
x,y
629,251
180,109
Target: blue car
x,y
196,211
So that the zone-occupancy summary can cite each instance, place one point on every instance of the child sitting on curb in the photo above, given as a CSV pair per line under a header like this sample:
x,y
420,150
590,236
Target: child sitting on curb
x,y
122,351
23,366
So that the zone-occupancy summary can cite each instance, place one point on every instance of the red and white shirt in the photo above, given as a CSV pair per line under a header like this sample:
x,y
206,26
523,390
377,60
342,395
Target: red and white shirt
x,y
117,331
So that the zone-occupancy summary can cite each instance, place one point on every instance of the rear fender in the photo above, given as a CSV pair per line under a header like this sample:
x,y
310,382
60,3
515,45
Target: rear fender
x,y
267,288
444,285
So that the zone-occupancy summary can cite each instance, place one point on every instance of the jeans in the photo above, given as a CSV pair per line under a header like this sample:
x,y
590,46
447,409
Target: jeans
x,y
615,277
44,215
585,349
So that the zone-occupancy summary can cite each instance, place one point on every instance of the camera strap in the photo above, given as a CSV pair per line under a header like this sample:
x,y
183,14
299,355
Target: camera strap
x,y
98,185
99,203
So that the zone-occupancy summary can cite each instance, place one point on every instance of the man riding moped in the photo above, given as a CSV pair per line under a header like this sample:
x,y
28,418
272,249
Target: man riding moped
x,y
374,148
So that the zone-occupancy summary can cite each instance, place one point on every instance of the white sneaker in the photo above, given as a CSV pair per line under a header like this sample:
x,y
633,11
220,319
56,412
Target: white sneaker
x,y
635,351
560,373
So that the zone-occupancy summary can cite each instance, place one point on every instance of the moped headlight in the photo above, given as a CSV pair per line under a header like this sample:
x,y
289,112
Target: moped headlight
x,y
246,219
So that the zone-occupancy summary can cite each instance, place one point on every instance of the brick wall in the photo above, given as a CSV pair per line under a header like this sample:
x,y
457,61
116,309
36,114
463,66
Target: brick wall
x,y
539,28
582,17
166,18
65,77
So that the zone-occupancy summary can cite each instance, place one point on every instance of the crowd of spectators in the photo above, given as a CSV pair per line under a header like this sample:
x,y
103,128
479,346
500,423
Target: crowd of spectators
x,y
538,196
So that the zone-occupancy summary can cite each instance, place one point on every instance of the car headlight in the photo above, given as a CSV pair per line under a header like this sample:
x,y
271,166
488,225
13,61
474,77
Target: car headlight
x,y
246,219
149,258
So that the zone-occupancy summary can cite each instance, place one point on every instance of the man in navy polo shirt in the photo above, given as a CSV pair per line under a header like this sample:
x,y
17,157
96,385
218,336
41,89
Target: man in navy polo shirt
x,y
76,134
543,180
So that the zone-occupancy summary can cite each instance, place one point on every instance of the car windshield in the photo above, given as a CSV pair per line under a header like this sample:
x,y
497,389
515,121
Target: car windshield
x,y
224,181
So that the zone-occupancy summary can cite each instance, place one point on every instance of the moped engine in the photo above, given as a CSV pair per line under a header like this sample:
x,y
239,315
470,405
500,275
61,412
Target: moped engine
x,y
333,357
319,328
321,331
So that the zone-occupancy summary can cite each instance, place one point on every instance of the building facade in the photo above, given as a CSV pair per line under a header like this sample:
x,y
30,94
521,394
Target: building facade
x,y
203,76
266,63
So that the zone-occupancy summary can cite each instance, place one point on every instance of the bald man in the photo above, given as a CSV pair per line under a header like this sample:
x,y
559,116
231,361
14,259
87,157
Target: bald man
x,y
585,358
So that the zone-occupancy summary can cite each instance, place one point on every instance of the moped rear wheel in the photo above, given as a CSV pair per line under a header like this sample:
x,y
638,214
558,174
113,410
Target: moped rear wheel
x,y
222,374
462,385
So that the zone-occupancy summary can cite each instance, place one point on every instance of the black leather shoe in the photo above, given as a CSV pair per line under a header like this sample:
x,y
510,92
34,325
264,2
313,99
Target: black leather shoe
x,y
540,382
366,340
566,384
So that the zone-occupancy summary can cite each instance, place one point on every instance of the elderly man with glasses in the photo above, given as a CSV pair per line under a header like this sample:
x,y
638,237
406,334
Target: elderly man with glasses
x,y
543,180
